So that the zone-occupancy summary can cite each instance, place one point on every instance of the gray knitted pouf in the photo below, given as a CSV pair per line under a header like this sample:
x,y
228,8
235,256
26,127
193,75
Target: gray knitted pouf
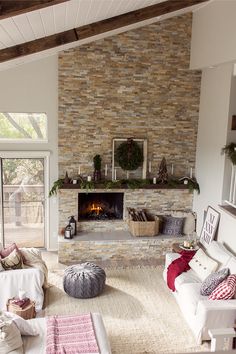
x,y
84,280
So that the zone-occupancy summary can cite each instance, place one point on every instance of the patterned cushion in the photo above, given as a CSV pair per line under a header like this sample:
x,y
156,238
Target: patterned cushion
x,y
6,251
189,225
213,280
173,226
13,261
225,290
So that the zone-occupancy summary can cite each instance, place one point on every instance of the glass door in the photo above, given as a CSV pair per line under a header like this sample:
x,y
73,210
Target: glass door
x,y
23,191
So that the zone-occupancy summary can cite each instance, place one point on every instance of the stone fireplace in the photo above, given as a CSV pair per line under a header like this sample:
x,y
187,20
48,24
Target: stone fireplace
x,y
156,201
100,206
147,93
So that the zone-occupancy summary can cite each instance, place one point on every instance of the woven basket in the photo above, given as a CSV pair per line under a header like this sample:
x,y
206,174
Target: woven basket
x,y
27,313
144,228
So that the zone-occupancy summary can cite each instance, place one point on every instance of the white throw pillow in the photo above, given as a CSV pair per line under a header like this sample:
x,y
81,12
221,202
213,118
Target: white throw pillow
x,y
219,253
25,328
202,264
10,339
231,264
189,221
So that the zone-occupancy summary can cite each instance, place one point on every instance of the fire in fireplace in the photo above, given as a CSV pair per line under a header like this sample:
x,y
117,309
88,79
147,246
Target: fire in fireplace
x,y
100,206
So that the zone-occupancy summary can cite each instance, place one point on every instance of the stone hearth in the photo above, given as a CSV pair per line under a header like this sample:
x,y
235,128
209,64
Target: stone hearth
x,y
115,248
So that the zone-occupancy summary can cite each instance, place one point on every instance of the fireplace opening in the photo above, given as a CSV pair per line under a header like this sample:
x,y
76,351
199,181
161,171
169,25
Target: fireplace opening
x,y
100,206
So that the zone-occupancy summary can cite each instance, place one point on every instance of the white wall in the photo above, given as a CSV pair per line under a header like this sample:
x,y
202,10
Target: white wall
x,y
214,34
214,44
231,137
226,231
212,136
33,87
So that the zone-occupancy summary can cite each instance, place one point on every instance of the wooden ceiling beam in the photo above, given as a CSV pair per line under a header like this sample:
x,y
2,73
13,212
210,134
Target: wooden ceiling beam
x,y
9,8
132,17
95,28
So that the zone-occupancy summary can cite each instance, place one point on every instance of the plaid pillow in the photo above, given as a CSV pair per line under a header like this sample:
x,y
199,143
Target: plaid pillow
x,y
225,290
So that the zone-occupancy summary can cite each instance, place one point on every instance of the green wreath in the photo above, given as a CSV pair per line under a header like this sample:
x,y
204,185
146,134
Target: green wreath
x,y
129,155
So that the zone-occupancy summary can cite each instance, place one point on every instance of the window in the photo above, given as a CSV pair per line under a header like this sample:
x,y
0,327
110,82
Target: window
x,y
27,127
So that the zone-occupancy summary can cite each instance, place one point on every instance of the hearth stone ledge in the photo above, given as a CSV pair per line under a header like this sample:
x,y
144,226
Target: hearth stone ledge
x,y
132,252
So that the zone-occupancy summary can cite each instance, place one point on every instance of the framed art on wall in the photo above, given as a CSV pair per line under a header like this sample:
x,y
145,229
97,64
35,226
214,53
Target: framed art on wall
x,y
210,226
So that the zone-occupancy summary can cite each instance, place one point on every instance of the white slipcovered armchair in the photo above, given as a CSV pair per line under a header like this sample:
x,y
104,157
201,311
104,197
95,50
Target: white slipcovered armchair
x,y
32,278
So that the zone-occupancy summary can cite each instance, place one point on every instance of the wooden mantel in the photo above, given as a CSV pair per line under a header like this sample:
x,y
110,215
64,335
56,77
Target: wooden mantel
x,y
101,186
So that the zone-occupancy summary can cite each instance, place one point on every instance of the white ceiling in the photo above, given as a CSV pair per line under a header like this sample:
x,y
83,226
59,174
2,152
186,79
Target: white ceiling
x,y
58,18
62,17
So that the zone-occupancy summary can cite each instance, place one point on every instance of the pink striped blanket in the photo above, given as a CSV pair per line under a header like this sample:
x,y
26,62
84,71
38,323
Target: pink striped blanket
x,y
71,335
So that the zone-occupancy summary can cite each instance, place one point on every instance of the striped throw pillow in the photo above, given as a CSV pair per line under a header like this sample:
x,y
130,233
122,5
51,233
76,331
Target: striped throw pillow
x,y
13,261
225,290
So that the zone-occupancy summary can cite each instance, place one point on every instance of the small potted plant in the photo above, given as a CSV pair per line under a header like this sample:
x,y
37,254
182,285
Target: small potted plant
x,y
97,162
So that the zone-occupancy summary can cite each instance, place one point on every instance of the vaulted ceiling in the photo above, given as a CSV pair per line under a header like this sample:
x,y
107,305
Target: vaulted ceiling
x,y
31,29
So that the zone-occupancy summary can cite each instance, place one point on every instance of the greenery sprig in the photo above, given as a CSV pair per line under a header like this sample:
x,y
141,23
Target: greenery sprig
x,y
125,183
87,185
112,184
230,151
56,185
136,183
193,185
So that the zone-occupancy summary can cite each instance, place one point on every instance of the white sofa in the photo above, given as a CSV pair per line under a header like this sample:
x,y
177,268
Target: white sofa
x,y
200,313
31,279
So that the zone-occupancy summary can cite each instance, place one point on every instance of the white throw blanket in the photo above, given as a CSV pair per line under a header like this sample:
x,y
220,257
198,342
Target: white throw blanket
x,y
33,259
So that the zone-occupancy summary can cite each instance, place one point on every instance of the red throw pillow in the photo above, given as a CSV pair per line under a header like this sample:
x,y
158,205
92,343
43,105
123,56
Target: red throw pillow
x,y
8,250
225,290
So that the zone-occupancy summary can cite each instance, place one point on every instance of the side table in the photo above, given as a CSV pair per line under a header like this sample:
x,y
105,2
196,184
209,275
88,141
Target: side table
x,y
177,249
27,313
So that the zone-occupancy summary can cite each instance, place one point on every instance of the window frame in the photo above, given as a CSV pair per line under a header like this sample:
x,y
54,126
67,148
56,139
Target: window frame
x,y
41,154
25,140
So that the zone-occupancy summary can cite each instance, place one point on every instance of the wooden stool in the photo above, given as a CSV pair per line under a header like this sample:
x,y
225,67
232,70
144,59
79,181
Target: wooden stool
x,y
27,313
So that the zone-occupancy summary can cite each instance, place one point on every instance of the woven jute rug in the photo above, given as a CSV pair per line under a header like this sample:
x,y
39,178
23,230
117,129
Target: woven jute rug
x,y
139,312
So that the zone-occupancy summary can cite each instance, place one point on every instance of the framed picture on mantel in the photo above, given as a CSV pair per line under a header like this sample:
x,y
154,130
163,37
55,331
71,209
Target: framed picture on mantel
x,y
210,226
